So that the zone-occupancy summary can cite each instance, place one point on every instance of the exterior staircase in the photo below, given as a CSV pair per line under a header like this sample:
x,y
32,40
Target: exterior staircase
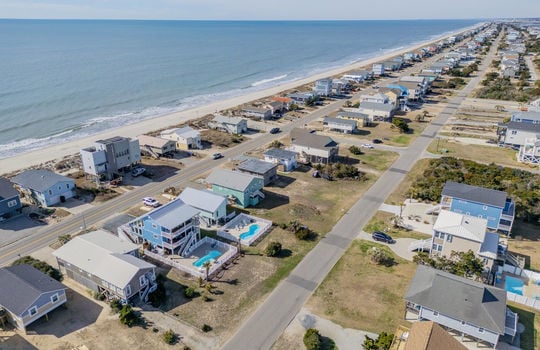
x,y
420,245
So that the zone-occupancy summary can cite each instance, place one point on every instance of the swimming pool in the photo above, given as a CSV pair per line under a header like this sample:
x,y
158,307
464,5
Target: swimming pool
x,y
253,230
513,285
212,255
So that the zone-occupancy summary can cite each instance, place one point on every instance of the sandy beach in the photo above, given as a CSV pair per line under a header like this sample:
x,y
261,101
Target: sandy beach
x,y
54,152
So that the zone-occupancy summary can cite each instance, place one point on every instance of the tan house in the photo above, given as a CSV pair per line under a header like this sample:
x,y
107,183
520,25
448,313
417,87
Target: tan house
x,y
156,146
185,138
461,233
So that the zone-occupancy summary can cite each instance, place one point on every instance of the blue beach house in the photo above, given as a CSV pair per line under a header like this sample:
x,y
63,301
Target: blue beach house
x,y
45,187
494,206
10,203
244,189
172,228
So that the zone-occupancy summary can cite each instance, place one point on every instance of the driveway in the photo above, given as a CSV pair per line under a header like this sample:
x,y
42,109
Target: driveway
x,y
400,247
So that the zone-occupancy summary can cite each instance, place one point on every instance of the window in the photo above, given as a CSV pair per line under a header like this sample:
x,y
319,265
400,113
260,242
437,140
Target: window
x,y
12,203
156,236
67,186
33,310
50,191
437,247
142,280
480,330
128,290
435,313
54,298
449,238
514,132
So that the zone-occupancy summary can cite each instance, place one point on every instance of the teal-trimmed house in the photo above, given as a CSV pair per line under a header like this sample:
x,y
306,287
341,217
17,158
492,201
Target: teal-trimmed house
x,y
243,189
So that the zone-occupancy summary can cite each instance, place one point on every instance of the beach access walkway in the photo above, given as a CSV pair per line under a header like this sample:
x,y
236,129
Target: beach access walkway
x,y
266,324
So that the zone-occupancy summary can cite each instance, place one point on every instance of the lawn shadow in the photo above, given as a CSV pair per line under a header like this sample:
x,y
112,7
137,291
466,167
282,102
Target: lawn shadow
x,y
362,132
282,181
272,200
15,341
174,291
284,253
528,337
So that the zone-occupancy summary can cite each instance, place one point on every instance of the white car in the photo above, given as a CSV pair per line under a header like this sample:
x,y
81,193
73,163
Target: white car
x,y
367,145
137,171
150,202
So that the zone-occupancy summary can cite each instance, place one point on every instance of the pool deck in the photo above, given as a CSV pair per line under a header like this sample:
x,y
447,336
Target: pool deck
x,y
240,224
530,289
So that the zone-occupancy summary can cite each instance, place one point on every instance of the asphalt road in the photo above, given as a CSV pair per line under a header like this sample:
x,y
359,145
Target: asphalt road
x,y
266,324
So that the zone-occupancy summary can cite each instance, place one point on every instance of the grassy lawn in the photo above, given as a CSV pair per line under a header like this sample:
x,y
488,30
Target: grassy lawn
x,y
391,135
382,221
362,295
526,242
478,153
373,158
400,194
530,339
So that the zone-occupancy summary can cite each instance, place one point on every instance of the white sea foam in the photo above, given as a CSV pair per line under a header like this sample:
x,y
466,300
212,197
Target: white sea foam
x,y
265,81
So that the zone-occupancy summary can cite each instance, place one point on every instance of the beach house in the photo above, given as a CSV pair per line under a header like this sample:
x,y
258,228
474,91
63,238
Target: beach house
x,y
375,98
493,205
528,117
171,229
285,100
156,146
357,76
110,157
186,137
313,148
10,203
286,159
470,308
276,107
212,206
108,266
529,152
43,187
323,87
256,167
345,126
425,335
301,98
379,69
515,133
257,112
241,189
395,97
377,111
231,125
27,294
361,119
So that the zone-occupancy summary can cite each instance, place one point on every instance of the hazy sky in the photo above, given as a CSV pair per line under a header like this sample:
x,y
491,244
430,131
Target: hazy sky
x,y
268,9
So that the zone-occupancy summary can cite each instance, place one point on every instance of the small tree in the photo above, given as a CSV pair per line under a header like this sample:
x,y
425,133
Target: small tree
x,y
273,249
355,150
401,125
276,144
116,305
207,265
381,257
39,265
312,339
190,292
170,337
128,316
383,342
206,328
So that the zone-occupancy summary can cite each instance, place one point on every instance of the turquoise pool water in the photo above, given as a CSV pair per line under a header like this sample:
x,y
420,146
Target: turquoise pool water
x,y
212,255
514,285
253,229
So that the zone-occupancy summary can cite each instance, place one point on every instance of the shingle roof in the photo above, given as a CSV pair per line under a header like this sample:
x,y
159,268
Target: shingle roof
x,y
530,115
339,121
303,137
202,199
103,255
146,140
280,153
256,166
227,120
230,179
535,128
428,335
172,214
474,194
349,114
458,297
464,226
6,189
21,285
39,180
386,107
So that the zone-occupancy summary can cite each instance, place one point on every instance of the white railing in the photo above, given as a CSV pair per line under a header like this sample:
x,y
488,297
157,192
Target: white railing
x,y
532,302
171,262
423,244
264,226
533,277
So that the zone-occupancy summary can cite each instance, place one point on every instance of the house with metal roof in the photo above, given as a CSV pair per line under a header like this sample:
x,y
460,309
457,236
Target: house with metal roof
x,y
44,187
374,97
257,112
231,125
345,126
494,206
470,308
515,133
10,203
172,228
282,157
461,233
377,111
361,119
185,137
107,265
301,98
530,117
242,189
312,147
156,146
111,157
27,294
256,167
212,206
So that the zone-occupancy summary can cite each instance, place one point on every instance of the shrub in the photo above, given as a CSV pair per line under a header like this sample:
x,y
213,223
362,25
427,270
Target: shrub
x,y
206,328
40,265
381,257
64,239
190,292
115,305
272,249
383,342
128,316
312,339
169,337
401,124
355,150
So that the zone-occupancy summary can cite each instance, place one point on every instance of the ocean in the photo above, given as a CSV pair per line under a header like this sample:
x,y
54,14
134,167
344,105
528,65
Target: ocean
x,y
66,79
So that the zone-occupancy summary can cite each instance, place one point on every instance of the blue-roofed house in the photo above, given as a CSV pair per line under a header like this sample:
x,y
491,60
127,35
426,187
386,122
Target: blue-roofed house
x,y
10,203
45,187
172,228
493,205
212,206
283,157
244,189
28,294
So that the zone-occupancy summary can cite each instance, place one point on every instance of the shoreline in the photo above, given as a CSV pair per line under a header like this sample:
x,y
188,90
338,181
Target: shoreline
x,y
70,148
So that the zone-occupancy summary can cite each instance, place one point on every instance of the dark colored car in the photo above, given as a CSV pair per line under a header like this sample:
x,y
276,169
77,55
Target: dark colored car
x,y
382,237
377,141
274,130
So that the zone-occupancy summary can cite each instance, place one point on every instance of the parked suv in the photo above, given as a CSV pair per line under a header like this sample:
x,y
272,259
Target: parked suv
x,y
217,155
382,237
137,171
274,130
150,202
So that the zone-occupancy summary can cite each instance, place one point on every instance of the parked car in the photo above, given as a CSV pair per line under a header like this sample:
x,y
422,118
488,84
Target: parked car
x,y
382,237
367,145
137,171
274,130
217,155
150,202
377,141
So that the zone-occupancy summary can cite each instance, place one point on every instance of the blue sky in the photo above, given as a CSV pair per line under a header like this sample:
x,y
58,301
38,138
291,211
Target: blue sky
x,y
268,9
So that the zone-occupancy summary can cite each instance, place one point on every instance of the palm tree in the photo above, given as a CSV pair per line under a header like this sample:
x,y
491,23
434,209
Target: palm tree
x,y
206,266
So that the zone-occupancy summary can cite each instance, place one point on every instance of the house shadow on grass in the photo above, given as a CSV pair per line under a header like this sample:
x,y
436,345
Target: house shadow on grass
x,y
282,181
272,200
12,340
78,312
175,296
